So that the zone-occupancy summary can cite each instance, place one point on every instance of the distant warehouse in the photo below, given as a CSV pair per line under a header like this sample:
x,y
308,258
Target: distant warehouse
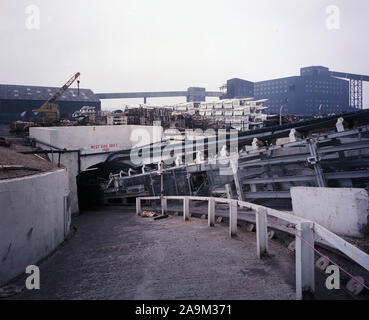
x,y
15,99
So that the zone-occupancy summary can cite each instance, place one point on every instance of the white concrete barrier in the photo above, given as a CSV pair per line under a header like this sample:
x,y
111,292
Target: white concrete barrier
x,y
341,210
35,218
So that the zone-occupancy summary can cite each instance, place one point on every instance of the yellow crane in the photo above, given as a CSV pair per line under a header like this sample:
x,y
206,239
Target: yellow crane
x,y
49,108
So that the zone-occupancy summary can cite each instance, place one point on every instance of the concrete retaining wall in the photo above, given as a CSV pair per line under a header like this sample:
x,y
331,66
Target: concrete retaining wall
x,y
35,218
91,139
341,210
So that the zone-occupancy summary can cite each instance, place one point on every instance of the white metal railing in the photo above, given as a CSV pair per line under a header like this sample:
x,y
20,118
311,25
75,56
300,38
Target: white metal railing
x,y
305,229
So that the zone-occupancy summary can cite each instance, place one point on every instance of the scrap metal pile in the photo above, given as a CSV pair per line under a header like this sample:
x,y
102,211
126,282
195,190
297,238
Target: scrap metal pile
x,y
148,115
240,114
331,151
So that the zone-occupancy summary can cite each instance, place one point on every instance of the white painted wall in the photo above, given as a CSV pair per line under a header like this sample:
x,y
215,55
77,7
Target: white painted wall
x,y
92,139
341,210
35,219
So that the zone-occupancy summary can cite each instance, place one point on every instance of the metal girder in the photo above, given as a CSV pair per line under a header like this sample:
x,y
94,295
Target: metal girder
x,y
267,195
347,175
353,76
320,180
328,176
278,179
155,94
356,93
346,163
345,147
280,160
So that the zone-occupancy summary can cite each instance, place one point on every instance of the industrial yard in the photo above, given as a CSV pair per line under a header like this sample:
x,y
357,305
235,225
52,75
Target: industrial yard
x,y
260,172
155,266
184,153
229,177
207,264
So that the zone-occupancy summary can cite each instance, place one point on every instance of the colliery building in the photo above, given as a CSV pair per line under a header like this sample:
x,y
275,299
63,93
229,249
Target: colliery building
x,y
15,99
316,90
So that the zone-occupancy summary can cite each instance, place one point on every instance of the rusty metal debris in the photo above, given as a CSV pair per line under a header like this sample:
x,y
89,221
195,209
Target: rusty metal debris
x,y
148,214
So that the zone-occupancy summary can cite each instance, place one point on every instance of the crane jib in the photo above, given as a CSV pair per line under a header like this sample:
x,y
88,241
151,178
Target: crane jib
x,y
49,108
63,88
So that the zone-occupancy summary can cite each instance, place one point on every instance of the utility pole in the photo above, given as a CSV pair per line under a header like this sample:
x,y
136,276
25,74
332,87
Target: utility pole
x,y
320,110
280,115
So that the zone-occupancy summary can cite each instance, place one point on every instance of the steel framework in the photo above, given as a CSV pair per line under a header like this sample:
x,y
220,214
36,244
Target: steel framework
x,y
356,93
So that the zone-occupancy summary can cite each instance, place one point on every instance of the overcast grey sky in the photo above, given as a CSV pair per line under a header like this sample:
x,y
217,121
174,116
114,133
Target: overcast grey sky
x,y
149,45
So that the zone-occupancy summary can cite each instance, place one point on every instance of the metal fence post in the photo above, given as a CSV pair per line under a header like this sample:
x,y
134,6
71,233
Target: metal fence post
x,y
163,205
186,208
305,277
233,218
261,232
211,212
138,206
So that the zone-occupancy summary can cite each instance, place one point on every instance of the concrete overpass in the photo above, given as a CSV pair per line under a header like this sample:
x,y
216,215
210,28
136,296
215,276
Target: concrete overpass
x,y
191,94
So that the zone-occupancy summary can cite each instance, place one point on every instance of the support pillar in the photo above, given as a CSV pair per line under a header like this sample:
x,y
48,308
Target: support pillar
x,y
305,277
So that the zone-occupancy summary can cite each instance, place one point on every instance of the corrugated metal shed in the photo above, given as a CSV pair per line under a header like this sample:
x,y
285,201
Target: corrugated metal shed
x,y
17,92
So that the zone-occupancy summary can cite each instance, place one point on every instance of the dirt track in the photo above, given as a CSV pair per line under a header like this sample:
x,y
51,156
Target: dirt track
x,y
11,156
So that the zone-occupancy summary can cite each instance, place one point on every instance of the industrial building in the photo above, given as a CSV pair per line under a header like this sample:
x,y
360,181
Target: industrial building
x,y
238,88
317,90
15,99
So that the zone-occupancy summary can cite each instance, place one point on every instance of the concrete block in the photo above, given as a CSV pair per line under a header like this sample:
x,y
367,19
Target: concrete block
x,y
203,217
340,124
343,211
355,287
294,135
